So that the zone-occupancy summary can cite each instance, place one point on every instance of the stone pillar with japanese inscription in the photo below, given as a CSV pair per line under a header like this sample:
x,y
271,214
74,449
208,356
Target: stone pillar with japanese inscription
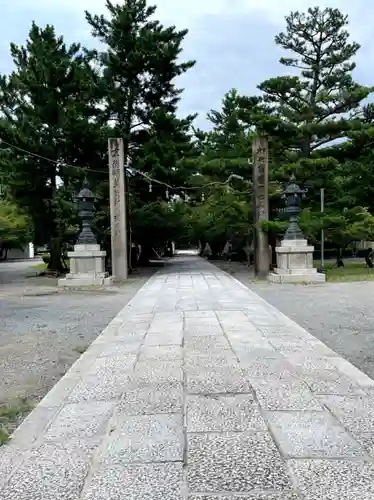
x,y
118,209
260,203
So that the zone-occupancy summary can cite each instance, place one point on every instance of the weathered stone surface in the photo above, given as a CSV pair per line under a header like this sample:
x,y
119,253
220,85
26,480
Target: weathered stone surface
x,y
51,471
207,326
123,348
160,353
137,482
366,440
285,495
118,364
164,338
223,359
61,391
311,434
352,372
11,457
332,382
147,373
235,462
220,379
144,438
80,420
256,367
105,387
333,479
355,413
198,390
244,343
33,426
223,413
293,394
154,398
308,362
208,344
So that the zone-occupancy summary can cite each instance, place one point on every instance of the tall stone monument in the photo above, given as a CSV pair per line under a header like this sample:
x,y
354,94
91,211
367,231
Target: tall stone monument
x,y
294,255
87,261
118,215
260,161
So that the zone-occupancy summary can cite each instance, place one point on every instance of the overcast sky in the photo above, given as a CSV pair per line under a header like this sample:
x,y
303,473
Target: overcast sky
x,y
232,40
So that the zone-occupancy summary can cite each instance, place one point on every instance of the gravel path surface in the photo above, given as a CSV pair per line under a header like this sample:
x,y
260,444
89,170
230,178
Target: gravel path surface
x,y
339,314
43,332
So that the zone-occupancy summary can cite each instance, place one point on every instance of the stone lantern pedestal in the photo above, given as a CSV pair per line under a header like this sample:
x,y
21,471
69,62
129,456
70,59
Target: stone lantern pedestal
x,y
295,263
87,267
87,261
294,255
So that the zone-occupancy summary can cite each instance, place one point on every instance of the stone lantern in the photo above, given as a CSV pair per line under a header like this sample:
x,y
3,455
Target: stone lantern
x,y
86,201
293,195
294,255
87,261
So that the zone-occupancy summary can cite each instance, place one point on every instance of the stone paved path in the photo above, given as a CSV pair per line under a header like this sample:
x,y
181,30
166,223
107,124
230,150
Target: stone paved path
x,y
198,390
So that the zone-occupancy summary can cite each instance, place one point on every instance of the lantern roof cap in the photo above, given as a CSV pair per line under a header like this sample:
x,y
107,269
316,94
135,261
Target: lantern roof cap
x,y
292,187
85,192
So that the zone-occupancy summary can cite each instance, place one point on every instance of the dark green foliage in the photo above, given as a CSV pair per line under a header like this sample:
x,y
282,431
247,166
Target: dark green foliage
x,y
64,102
322,103
308,112
46,102
138,65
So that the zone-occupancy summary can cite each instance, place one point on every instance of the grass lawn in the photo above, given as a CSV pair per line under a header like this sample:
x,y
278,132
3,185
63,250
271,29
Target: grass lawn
x,y
352,271
40,266
11,414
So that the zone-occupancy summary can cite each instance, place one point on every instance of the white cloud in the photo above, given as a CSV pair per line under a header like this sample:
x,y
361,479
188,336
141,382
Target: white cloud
x,y
232,40
188,11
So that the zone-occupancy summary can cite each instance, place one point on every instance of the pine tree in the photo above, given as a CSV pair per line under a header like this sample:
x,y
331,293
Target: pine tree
x,y
322,103
46,103
139,65
227,147
316,107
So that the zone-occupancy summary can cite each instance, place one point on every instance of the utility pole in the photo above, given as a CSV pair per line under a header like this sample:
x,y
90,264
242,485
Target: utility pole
x,y
260,161
118,209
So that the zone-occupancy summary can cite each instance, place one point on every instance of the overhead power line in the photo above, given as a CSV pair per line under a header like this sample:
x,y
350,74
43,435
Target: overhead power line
x,y
139,172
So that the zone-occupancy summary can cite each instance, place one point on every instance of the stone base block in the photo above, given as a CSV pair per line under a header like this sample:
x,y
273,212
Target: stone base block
x,y
300,270
79,281
87,268
297,278
295,264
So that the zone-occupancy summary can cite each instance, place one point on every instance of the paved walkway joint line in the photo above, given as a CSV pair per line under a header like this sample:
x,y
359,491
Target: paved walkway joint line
x,y
198,390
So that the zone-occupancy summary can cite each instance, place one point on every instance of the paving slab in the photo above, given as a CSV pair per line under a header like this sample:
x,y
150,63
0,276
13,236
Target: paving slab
x,y
50,471
235,462
285,495
333,479
224,413
198,390
312,434
145,439
80,420
354,412
136,482
155,398
147,373
284,394
217,380
160,353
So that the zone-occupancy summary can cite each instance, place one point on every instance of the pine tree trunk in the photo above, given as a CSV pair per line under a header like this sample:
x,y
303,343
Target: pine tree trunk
x,y
55,264
339,257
